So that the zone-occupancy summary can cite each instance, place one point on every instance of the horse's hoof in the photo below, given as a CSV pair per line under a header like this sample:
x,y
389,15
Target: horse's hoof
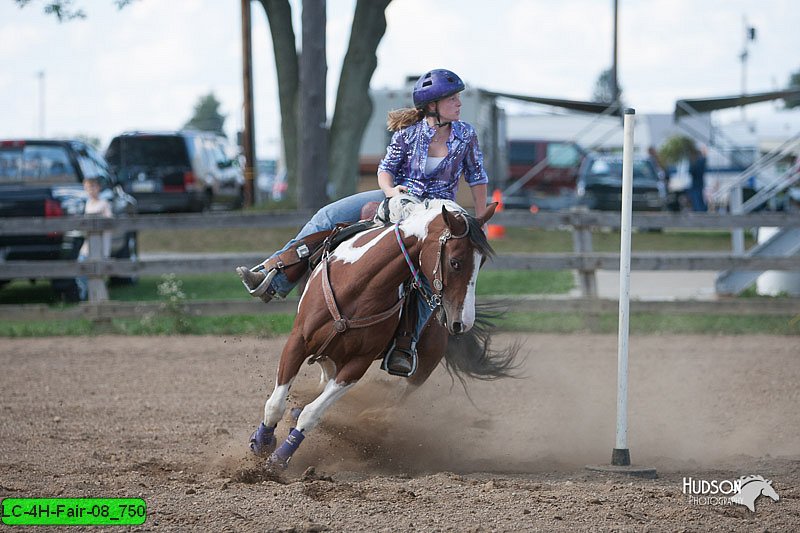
x,y
276,462
262,441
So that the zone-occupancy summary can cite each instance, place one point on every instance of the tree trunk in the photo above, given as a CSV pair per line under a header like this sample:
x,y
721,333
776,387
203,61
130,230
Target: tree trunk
x,y
353,103
313,150
279,16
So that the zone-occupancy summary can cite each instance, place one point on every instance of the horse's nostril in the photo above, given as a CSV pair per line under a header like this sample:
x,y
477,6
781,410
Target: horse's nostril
x,y
457,327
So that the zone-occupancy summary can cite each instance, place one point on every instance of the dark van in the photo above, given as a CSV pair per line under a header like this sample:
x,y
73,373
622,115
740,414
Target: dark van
x,y
176,171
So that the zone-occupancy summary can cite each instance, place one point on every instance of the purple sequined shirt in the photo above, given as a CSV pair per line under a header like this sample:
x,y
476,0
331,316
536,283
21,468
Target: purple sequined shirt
x,y
408,151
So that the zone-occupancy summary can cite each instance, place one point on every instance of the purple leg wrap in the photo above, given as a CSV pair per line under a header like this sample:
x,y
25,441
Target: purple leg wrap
x,y
262,441
281,456
295,413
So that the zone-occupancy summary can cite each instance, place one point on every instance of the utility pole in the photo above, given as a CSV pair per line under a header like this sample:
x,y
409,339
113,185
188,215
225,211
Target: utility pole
x,y
248,135
614,78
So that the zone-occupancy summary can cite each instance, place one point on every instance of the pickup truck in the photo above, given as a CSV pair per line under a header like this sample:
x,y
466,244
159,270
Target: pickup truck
x,y
44,178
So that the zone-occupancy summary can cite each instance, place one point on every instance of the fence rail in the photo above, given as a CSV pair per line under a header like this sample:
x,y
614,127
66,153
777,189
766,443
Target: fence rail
x,y
583,258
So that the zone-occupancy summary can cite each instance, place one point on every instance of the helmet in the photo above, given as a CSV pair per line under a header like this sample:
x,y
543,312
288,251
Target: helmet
x,y
435,85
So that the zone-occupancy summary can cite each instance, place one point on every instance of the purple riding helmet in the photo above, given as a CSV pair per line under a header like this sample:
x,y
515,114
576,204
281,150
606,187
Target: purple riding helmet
x,y
435,85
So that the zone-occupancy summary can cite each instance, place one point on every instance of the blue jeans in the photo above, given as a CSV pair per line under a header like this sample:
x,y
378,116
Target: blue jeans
x,y
696,198
346,210
424,311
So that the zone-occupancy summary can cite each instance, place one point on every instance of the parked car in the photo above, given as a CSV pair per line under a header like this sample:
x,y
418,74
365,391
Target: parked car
x,y
550,169
600,184
44,178
177,171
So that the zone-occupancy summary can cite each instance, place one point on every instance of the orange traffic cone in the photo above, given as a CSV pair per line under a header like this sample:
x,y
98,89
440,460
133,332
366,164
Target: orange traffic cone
x,y
496,231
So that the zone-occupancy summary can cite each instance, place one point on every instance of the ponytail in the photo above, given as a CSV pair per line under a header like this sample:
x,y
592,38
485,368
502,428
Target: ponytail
x,y
403,118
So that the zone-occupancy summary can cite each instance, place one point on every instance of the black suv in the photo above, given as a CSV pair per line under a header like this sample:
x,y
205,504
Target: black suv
x,y
600,184
44,178
177,171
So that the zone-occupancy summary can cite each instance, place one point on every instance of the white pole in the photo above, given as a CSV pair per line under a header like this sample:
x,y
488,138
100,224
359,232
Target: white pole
x,y
621,455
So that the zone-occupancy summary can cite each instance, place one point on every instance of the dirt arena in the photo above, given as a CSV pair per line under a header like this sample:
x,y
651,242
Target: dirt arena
x,y
168,419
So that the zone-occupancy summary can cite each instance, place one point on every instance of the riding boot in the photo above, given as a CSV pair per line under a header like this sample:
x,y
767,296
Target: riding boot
x,y
402,357
258,282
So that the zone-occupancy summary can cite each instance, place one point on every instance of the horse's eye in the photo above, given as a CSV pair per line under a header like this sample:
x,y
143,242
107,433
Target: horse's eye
x,y
456,264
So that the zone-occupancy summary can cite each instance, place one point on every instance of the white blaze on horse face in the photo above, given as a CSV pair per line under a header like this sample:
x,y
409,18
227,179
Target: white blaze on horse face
x,y
468,309
349,253
312,413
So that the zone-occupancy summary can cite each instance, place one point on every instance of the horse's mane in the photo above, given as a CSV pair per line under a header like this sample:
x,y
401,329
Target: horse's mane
x,y
404,208
747,479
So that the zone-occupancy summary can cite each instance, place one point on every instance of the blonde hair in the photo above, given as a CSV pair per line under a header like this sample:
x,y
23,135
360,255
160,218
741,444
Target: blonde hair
x,y
403,118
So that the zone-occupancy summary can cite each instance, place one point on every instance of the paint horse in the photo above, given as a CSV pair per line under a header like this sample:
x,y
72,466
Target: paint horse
x,y
351,307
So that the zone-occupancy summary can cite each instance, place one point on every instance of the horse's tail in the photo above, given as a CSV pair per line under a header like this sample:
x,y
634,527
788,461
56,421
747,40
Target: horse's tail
x,y
470,355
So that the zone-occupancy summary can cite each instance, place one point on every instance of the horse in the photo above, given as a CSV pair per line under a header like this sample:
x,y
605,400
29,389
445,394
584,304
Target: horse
x,y
351,306
751,487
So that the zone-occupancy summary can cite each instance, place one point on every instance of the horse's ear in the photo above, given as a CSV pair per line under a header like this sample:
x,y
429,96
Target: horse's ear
x,y
451,221
489,213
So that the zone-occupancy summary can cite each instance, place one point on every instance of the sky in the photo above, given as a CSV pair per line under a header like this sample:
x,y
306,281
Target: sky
x,y
146,66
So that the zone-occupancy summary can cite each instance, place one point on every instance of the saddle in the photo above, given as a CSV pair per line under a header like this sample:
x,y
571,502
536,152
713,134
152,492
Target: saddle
x,y
305,254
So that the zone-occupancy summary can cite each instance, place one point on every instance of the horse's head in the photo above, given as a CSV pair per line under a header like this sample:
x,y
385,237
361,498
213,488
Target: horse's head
x,y
452,252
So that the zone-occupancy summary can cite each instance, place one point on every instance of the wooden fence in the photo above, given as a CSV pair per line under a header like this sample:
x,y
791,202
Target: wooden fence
x,y
582,259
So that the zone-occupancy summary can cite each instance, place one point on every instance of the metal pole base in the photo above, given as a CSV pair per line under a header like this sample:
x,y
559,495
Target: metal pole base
x,y
621,457
621,464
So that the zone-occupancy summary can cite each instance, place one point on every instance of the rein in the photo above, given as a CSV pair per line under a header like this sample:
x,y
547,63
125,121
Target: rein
x,y
433,300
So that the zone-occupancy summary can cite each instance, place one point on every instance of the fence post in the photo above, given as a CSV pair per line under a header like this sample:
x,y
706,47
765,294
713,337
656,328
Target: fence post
x,y
582,244
737,234
97,285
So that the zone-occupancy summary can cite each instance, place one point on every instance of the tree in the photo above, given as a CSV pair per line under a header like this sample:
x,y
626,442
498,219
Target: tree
x,y
794,83
207,116
353,105
63,10
676,148
604,88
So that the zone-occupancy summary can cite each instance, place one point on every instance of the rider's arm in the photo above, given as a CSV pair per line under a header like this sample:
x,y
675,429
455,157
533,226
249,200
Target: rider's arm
x,y
479,198
386,183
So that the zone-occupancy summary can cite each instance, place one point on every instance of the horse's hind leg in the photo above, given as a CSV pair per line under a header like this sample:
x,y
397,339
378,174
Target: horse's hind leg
x,y
262,441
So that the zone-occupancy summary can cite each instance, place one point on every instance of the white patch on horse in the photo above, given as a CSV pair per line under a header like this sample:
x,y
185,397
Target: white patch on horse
x,y
328,368
468,309
312,413
421,215
349,253
276,404
314,274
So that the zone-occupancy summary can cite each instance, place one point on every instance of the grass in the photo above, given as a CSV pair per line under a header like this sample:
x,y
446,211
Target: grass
x,y
228,287
281,324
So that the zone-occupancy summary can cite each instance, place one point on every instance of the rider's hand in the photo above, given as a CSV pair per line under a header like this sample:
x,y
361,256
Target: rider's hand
x,y
396,190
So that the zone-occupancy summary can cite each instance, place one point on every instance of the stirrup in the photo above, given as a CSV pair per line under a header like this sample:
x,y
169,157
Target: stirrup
x,y
264,285
411,353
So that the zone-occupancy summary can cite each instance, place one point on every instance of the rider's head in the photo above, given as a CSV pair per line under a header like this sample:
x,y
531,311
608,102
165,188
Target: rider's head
x,y
431,88
434,86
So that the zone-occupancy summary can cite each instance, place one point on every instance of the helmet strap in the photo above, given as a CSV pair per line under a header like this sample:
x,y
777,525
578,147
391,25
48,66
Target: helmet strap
x,y
435,113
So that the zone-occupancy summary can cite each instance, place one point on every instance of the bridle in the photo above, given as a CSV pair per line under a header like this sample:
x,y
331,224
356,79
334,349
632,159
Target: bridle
x,y
433,300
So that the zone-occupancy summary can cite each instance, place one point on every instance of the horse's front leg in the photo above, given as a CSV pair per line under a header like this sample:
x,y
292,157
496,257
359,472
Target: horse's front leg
x,y
262,441
312,413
